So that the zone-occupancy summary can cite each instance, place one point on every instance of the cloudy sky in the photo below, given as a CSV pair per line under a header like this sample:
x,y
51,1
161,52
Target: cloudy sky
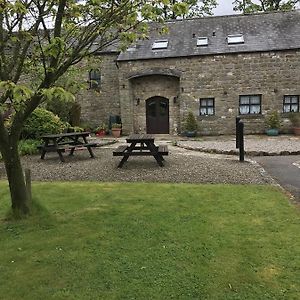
x,y
224,8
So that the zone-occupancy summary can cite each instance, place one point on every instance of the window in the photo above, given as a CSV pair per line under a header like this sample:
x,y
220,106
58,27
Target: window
x,y
162,44
235,39
291,104
202,41
207,107
94,79
250,105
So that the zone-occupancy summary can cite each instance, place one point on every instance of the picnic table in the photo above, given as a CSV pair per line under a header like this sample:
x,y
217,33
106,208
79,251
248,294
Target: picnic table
x,y
141,145
66,141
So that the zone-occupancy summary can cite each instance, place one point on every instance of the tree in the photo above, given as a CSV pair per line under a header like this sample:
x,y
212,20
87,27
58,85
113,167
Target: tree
x,y
172,9
252,6
40,40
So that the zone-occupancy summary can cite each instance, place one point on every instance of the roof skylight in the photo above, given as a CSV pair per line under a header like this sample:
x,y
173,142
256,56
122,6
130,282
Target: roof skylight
x,y
202,41
162,44
235,39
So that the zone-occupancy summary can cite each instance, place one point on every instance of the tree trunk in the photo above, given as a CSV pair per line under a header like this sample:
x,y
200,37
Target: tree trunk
x,y
16,180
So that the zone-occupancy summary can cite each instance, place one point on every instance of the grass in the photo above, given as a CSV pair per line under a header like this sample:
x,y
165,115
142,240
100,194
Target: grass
x,y
151,241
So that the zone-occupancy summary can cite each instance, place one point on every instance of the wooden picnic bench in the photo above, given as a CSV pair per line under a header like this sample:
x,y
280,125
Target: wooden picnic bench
x,y
66,142
141,145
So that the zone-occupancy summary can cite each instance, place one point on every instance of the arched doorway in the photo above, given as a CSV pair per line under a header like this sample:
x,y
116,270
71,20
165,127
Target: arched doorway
x,y
157,115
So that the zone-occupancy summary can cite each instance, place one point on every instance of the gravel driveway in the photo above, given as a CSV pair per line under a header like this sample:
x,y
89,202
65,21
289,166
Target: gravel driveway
x,y
180,166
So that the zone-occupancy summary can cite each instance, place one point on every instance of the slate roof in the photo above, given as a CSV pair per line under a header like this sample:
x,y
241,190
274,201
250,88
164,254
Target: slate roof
x,y
262,32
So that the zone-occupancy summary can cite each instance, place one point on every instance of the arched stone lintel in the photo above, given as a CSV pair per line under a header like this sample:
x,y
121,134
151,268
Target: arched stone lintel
x,y
155,71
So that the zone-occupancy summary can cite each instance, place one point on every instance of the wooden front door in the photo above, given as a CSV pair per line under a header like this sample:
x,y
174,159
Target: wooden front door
x,y
157,115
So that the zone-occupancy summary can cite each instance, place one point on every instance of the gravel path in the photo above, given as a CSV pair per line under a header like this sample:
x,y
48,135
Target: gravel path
x,y
254,145
180,166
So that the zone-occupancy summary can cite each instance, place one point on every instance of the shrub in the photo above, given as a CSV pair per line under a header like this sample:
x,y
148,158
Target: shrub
x,y
28,147
60,103
273,120
42,122
116,125
190,122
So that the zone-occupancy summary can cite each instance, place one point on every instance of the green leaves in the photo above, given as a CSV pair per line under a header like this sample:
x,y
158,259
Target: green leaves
x,y
16,93
55,48
249,6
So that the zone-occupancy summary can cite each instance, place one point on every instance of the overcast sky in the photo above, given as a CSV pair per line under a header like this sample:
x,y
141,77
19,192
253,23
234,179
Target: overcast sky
x,y
224,8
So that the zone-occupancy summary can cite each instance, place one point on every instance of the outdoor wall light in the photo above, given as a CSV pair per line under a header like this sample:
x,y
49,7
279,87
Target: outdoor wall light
x,y
175,99
137,101
123,86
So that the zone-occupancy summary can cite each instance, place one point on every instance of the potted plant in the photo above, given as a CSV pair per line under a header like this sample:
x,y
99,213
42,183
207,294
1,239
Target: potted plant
x,y
273,123
295,120
101,130
116,129
191,125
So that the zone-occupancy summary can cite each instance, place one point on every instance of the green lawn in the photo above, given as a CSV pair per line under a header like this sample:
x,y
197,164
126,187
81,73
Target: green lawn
x,y
152,241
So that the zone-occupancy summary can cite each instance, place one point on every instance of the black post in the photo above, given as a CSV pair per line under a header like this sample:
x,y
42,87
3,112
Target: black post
x,y
237,120
241,140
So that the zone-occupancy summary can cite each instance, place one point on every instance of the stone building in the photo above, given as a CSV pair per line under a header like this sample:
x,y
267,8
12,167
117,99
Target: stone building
x,y
217,67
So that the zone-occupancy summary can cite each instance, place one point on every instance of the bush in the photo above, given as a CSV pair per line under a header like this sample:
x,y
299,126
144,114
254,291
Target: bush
x,y
60,103
28,147
273,120
42,122
190,122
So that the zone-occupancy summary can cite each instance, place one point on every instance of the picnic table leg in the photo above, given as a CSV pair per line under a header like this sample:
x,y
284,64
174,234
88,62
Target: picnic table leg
x,y
157,156
44,149
126,155
60,156
89,148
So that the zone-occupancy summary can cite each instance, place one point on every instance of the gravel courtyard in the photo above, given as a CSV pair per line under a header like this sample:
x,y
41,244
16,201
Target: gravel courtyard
x,y
180,166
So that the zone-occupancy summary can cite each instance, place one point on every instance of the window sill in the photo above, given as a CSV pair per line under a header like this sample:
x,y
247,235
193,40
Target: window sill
x,y
251,116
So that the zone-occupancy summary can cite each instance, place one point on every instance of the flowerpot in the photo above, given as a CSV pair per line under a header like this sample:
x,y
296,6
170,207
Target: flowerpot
x,y
100,133
116,132
272,132
296,130
190,133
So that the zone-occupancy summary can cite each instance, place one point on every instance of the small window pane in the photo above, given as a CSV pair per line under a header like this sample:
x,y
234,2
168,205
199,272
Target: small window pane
x,y
254,109
202,111
202,41
255,100
287,100
294,108
294,99
163,44
286,108
245,100
210,110
235,39
210,102
244,110
203,102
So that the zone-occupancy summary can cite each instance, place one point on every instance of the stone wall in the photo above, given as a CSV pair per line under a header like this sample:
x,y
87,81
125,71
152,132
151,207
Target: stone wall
x,y
98,105
222,77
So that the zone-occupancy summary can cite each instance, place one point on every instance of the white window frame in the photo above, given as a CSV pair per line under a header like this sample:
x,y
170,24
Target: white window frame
x,y
202,41
160,44
233,39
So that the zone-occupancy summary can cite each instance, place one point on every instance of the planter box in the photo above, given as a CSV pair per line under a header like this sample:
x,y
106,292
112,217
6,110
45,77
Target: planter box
x,y
272,132
296,130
